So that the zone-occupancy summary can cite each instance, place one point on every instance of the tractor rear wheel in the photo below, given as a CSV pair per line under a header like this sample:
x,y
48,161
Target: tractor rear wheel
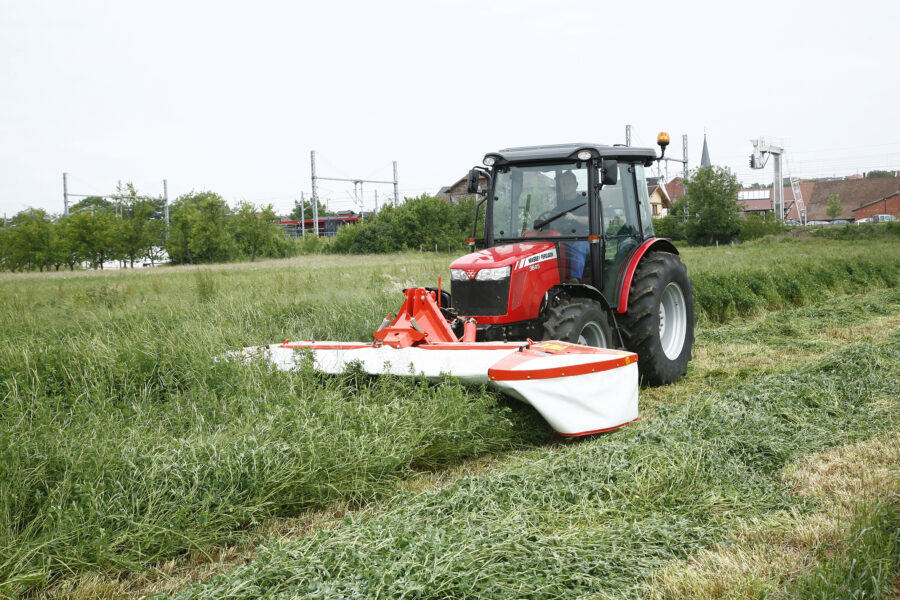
x,y
659,322
579,321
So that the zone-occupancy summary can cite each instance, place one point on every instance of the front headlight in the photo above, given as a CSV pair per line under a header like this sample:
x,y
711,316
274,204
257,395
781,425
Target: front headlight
x,y
493,274
457,275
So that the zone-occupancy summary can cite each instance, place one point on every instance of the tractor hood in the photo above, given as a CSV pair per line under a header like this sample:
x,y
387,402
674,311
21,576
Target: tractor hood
x,y
510,255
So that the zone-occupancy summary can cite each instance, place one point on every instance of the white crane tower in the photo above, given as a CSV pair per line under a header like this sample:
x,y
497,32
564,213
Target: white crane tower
x,y
761,152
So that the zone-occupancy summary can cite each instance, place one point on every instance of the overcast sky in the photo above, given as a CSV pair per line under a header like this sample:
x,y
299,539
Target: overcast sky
x,y
232,96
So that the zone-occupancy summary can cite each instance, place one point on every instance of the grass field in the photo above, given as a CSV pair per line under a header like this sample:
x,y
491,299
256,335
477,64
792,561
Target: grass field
x,y
134,462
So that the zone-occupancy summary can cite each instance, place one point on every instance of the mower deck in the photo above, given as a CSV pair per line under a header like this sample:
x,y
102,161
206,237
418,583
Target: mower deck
x,y
579,390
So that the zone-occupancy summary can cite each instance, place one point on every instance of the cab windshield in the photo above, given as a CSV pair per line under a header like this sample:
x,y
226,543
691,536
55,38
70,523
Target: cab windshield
x,y
553,197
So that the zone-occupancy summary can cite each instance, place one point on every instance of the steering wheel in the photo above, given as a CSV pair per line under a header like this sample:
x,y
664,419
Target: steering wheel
x,y
542,233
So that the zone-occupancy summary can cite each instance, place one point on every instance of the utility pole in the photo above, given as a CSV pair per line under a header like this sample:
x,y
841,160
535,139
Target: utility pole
x,y
628,135
396,191
65,195
315,195
376,201
302,214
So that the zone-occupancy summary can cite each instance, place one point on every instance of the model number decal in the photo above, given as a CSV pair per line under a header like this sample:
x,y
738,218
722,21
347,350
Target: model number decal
x,y
534,259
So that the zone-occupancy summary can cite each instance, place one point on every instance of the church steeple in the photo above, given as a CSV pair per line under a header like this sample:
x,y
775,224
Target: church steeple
x,y
704,160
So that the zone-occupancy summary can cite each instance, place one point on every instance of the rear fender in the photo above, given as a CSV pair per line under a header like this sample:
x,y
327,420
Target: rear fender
x,y
654,245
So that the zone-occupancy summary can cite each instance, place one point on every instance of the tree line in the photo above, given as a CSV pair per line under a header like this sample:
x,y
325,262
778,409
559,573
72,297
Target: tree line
x,y
131,228
204,229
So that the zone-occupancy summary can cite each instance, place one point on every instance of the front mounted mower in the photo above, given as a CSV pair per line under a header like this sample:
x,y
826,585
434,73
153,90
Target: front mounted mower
x,y
568,257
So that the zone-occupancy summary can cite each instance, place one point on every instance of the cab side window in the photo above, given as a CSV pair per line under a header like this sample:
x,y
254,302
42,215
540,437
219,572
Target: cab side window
x,y
619,213
643,201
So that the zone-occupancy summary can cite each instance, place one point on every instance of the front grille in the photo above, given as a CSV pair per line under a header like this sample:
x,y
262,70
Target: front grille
x,y
485,298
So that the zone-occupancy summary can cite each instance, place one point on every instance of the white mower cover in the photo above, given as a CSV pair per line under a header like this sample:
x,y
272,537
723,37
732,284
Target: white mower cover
x,y
579,390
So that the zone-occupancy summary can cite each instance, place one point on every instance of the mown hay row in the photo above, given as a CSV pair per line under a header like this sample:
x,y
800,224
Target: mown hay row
x,y
745,291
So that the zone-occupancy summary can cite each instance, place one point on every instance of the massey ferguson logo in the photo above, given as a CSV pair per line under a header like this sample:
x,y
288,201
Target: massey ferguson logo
x,y
534,259
471,273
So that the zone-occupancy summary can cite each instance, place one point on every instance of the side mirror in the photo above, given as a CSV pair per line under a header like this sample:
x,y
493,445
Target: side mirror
x,y
609,172
472,182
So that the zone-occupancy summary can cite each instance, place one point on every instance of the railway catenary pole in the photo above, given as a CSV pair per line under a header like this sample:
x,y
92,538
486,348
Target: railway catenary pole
x,y
778,189
684,155
315,195
65,194
166,204
302,214
628,135
396,189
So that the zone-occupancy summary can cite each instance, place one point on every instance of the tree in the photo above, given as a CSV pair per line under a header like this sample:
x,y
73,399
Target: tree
x,y
182,218
32,240
92,234
211,237
711,198
877,174
155,239
255,230
68,252
5,243
92,204
135,234
199,229
835,208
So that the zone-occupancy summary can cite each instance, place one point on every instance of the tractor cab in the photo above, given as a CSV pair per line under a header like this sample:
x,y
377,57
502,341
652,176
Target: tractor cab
x,y
590,201
565,228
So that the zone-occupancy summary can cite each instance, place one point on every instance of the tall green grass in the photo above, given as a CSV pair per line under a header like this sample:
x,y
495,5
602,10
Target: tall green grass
x,y
746,291
755,277
125,439
596,519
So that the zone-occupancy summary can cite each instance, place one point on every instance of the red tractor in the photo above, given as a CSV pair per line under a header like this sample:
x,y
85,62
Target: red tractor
x,y
568,253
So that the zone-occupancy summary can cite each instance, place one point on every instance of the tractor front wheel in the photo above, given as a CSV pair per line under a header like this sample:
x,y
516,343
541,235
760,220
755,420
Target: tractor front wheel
x,y
579,321
659,322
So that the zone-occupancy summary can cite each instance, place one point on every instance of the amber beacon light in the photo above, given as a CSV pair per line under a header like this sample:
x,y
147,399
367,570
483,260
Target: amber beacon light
x,y
663,140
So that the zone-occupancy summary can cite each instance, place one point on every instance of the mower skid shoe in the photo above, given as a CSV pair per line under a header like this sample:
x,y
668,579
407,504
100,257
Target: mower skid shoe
x,y
579,390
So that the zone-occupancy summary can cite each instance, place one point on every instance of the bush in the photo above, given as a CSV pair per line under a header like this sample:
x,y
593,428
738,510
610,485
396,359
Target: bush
x,y
859,231
756,226
422,222
669,227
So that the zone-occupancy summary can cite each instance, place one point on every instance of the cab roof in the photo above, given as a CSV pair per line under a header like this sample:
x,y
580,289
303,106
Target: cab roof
x,y
569,151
